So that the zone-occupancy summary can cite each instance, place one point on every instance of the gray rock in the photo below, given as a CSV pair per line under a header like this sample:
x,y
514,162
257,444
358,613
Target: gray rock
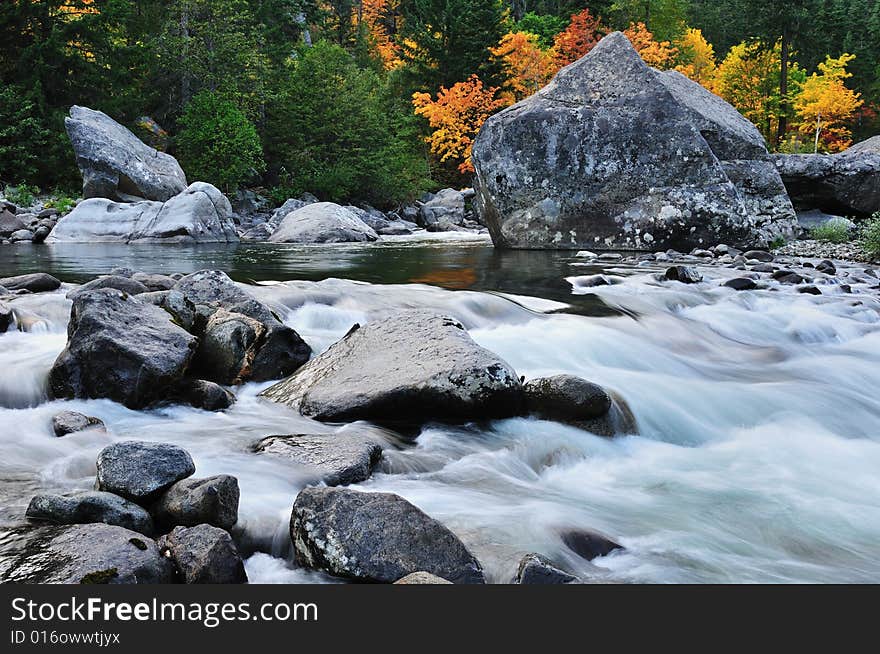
x,y
121,349
203,394
422,579
154,282
90,507
827,267
566,398
281,350
140,471
260,232
40,233
588,544
371,217
741,284
228,346
683,274
815,218
281,212
322,222
444,210
124,284
788,277
22,236
191,502
534,569
68,422
412,366
204,555
116,164
84,554
10,223
810,290
613,154
34,283
198,214
378,537
619,420
336,459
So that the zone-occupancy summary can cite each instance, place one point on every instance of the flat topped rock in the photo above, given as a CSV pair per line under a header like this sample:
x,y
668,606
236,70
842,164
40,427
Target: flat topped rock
x,y
412,367
322,222
33,282
69,422
89,507
335,459
140,471
191,502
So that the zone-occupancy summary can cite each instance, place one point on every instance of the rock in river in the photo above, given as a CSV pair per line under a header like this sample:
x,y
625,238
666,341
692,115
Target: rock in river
x,y
534,569
116,164
411,367
613,154
89,507
566,398
322,222
69,422
204,555
346,457
122,349
378,537
191,502
34,283
140,471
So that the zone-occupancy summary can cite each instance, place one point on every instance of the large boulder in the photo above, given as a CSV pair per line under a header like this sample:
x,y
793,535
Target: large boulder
x,y
410,367
122,349
377,537
33,283
10,223
613,154
335,459
847,183
228,350
198,214
84,554
191,502
322,222
140,471
204,555
116,164
89,507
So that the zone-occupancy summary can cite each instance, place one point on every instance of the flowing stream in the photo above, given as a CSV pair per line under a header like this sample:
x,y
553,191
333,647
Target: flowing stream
x,y
759,417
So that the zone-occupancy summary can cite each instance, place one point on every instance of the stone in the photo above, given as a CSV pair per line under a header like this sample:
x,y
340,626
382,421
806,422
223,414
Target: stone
x,y
411,367
788,277
85,554
121,349
827,267
69,422
443,210
322,222
613,154
140,471
22,236
90,507
200,213
810,290
566,398
758,255
204,555
741,284
7,317
124,284
202,394
588,544
33,283
10,223
116,164
534,569
375,537
336,459
683,274
154,282
228,346
190,502
421,579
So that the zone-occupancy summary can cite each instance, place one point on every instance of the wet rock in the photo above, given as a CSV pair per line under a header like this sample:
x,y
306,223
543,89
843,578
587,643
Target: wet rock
x,y
412,366
7,317
741,284
336,459
764,268
10,223
619,420
204,555
759,255
85,554
116,164
89,507
228,346
205,395
69,422
140,471
421,579
322,222
191,502
683,274
121,349
33,283
22,236
566,398
557,170
588,544
123,284
443,210
809,290
826,267
378,537
788,277
534,569
155,282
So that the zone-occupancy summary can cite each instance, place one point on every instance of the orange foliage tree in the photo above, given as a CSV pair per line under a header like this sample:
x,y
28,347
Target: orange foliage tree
x,y
379,17
657,54
527,67
582,34
456,117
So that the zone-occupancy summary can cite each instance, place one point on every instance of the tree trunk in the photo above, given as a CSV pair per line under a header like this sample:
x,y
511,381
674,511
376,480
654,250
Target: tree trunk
x,y
782,126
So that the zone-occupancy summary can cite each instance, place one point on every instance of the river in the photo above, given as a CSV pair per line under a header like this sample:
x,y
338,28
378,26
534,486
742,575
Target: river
x,y
759,417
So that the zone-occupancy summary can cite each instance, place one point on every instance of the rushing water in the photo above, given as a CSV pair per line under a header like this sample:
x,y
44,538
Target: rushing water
x,y
759,448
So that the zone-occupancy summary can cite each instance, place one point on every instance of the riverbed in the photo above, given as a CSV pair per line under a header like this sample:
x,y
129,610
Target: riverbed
x,y
758,411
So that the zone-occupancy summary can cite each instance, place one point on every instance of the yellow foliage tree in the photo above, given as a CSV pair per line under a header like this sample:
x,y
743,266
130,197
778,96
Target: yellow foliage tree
x,y
456,117
526,66
825,105
657,54
696,58
377,16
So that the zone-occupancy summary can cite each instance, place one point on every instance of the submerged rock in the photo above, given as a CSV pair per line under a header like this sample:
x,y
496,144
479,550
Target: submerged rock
x,y
566,398
140,471
683,274
33,283
613,154
588,544
378,537
412,367
191,502
206,395
534,569
116,164
336,459
90,507
322,222
204,555
69,422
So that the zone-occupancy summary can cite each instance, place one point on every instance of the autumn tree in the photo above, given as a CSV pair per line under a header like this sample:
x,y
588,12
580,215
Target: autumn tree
x,y
657,54
456,116
379,17
825,104
665,19
582,34
696,57
527,67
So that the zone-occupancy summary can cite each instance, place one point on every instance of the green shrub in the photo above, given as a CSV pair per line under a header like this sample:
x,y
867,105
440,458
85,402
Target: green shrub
x,y
777,243
869,236
61,201
835,230
217,143
21,195
545,26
